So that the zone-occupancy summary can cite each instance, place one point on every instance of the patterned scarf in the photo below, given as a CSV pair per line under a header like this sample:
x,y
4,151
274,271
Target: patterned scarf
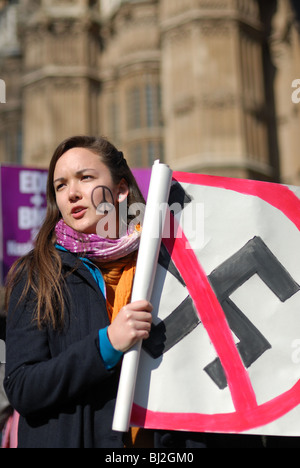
x,y
97,248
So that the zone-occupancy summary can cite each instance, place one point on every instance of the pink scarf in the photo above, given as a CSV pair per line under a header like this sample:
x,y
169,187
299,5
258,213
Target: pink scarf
x,y
95,247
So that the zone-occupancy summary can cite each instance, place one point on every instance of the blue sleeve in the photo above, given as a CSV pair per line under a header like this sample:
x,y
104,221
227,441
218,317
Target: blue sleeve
x,y
110,355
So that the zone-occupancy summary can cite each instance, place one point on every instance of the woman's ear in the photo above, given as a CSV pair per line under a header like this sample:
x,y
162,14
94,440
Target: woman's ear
x,y
123,191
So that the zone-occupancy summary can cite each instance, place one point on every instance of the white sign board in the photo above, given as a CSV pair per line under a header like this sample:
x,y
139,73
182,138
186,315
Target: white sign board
x,y
224,351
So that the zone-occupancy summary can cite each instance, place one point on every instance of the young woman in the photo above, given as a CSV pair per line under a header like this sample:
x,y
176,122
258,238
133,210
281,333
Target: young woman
x,y
70,318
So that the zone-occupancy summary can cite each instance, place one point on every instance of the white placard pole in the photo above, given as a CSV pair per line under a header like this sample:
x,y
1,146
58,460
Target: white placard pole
x,y
153,226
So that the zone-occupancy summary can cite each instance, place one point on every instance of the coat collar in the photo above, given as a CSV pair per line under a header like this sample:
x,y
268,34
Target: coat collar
x,y
72,261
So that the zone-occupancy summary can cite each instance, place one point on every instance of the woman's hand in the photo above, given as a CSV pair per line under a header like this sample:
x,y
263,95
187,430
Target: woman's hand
x,y
132,324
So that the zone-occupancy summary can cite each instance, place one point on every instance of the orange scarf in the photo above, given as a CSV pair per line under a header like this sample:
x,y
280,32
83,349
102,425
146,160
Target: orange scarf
x,y
118,277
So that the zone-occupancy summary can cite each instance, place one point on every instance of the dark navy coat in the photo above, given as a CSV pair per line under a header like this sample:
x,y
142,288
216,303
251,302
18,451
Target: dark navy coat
x,y
57,381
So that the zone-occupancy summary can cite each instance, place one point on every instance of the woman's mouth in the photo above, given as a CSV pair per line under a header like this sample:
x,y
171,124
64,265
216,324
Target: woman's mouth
x,y
78,212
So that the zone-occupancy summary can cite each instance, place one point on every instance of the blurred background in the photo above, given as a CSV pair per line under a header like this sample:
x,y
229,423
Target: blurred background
x,y
207,86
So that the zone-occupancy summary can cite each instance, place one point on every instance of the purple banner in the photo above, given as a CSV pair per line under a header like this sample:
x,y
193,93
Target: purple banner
x,y
23,207
142,176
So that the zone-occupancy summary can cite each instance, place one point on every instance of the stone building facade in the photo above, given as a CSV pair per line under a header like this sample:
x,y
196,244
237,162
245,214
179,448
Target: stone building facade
x,y
205,85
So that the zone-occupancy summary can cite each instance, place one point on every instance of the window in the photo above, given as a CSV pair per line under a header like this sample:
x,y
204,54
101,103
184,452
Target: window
x,y
143,106
134,109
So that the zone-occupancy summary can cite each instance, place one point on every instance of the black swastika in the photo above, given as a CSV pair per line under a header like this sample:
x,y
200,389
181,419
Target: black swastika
x,y
254,258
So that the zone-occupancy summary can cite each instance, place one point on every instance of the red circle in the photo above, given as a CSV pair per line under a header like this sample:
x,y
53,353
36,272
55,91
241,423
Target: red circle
x,y
248,414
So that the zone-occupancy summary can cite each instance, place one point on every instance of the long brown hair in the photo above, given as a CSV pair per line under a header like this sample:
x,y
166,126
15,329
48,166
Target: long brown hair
x,y
42,266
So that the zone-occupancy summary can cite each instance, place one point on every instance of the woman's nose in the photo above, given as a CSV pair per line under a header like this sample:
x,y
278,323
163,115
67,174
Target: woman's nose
x,y
74,193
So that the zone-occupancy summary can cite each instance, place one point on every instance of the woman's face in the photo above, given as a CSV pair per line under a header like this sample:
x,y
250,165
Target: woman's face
x,y
82,183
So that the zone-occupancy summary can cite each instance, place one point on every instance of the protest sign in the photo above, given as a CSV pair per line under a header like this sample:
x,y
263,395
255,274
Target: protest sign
x,y
223,355
23,207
